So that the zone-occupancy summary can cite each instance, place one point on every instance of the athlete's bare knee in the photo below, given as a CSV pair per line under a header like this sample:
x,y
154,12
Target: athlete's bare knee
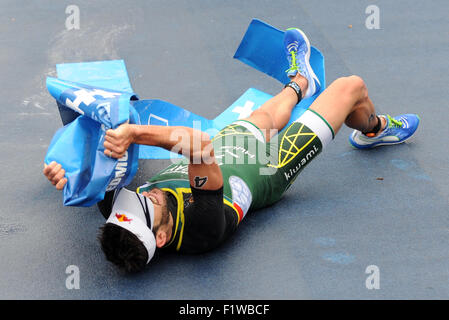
x,y
352,87
260,113
261,118
358,85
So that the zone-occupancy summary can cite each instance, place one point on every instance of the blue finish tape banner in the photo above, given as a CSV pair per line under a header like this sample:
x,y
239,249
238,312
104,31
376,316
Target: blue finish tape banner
x,y
111,74
262,48
78,146
157,112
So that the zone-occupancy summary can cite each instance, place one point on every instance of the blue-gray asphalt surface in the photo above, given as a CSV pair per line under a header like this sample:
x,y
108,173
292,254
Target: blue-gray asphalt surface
x,y
336,220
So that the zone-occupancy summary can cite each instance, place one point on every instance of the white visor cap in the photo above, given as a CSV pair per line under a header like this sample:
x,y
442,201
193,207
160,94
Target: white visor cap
x,y
135,213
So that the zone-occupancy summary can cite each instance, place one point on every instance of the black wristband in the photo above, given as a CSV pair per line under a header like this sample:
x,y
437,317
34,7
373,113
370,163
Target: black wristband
x,y
297,89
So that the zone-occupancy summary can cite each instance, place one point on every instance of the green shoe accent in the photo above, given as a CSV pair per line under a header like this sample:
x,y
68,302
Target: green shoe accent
x,y
293,66
393,122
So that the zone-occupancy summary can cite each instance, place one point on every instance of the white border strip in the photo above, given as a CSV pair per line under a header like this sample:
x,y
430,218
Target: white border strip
x,y
317,125
251,128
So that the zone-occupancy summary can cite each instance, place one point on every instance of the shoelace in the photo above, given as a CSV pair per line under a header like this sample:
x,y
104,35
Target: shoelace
x,y
293,66
394,122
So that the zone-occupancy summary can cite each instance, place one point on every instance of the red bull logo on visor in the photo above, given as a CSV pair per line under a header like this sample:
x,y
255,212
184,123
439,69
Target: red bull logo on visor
x,y
122,218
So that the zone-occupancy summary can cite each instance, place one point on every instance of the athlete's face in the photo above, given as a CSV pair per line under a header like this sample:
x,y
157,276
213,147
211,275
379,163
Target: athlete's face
x,y
156,196
161,215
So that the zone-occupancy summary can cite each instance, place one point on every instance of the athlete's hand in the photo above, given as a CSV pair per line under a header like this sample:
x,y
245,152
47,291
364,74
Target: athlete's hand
x,y
118,140
55,174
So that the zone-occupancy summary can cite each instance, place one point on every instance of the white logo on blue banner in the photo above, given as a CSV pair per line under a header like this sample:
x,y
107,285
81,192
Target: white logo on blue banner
x,y
153,116
245,111
87,97
97,104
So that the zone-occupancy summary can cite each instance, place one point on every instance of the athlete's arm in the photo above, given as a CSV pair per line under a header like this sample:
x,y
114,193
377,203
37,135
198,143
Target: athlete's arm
x,y
195,145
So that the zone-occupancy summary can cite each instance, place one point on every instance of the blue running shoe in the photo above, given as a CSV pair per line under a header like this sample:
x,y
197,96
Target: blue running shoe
x,y
397,130
297,49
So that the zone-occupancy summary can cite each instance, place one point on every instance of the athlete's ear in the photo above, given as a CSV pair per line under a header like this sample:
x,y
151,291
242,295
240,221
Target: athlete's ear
x,y
161,238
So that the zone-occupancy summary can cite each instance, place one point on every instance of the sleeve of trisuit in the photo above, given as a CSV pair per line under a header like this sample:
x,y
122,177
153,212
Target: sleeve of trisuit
x,y
207,221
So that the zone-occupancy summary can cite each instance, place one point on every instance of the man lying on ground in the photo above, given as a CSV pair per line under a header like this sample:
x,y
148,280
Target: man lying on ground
x,y
194,205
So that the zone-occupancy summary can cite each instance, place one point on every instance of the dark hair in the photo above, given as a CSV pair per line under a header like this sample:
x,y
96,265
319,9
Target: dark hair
x,y
123,248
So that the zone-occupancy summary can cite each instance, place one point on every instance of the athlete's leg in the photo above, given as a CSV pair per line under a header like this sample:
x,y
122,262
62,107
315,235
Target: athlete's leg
x,y
275,113
346,101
